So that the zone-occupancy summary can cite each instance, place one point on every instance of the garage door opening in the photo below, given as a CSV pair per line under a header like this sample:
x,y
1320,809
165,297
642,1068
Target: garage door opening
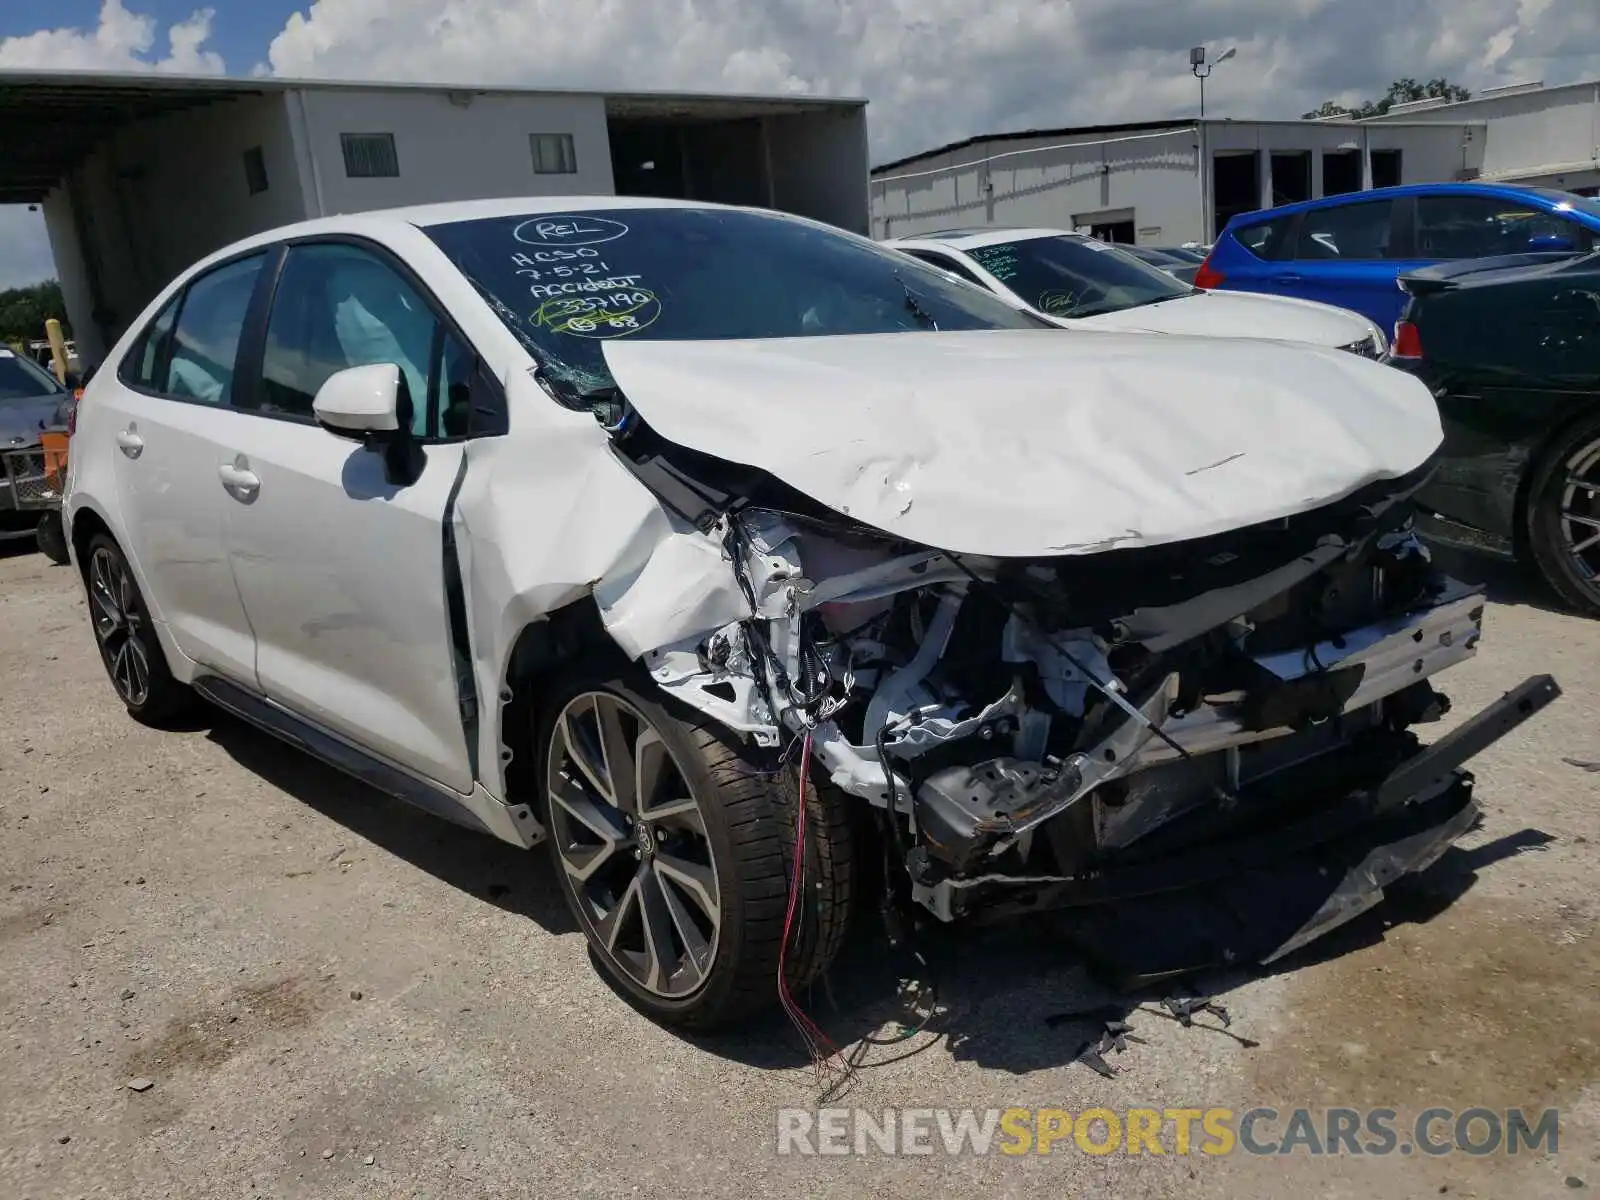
x,y
721,161
1291,176
1386,166
1235,185
1341,172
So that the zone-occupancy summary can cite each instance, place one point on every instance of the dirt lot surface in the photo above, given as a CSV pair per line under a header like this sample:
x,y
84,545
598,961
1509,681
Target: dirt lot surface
x,y
335,996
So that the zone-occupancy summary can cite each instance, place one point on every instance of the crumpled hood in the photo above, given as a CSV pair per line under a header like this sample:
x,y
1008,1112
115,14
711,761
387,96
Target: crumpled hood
x,y
25,419
1239,314
1028,443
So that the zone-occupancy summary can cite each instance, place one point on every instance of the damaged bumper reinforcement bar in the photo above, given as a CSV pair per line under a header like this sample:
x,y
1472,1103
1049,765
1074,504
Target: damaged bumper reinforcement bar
x,y
1430,775
1391,655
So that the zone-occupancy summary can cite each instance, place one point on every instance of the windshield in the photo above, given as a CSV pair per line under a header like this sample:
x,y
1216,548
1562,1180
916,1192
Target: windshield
x,y
1159,258
564,283
1076,276
21,379
1587,205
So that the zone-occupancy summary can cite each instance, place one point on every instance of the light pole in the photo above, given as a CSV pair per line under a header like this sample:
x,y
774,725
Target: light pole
x,y
1202,70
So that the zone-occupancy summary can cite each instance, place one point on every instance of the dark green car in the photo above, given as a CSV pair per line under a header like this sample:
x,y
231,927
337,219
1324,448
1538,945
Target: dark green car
x,y
1511,348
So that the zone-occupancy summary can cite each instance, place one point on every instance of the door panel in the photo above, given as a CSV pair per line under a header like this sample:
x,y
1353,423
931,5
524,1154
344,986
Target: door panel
x,y
1249,254
1342,256
342,577
169,422
340,570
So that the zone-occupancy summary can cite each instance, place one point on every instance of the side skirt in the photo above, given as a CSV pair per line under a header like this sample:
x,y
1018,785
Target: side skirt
x,y
479,811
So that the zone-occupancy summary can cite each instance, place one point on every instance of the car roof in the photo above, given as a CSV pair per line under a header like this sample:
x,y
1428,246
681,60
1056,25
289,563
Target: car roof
x,y
377,223
972,239
1508,191
426,215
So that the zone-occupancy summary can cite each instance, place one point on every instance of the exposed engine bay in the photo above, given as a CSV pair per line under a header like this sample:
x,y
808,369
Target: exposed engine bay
x,y
1057,732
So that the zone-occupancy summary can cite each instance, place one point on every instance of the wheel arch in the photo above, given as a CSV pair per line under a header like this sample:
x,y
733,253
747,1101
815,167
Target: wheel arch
x,y
1570,416
86,523
542,650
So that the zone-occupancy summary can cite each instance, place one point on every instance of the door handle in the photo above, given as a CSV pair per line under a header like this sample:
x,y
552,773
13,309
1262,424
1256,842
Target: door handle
x,y
130,443
239,482
1289,277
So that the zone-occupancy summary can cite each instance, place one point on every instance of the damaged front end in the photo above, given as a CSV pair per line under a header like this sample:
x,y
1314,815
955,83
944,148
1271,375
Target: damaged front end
x,y
1179,734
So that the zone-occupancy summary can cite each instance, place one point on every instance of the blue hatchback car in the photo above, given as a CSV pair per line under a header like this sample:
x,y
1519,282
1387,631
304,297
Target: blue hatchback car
x,y
1350,250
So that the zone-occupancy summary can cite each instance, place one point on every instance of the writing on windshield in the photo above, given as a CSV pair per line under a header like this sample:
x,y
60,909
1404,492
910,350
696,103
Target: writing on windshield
x,y
565,283
1072,277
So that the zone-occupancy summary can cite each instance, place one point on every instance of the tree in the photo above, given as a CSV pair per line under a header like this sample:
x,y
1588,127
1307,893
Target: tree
x,y
23,311
1401,91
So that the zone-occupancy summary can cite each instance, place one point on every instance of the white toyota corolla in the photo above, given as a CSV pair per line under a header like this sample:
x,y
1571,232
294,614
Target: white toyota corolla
x,y
1079,282
742,560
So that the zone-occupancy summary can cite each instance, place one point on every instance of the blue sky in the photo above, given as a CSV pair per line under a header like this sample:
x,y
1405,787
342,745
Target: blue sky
x,y
240,29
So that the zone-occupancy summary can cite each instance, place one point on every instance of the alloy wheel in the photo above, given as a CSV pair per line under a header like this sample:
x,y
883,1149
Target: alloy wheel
x,y
630,836
1580,512
118,625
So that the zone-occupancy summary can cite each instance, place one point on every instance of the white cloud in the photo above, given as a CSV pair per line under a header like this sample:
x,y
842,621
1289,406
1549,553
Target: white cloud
x,y
937,70
934,70
122,41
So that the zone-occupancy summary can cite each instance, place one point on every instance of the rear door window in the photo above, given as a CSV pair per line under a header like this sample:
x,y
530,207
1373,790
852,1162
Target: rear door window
x,y
205,341
1464,226
145,365
1346,232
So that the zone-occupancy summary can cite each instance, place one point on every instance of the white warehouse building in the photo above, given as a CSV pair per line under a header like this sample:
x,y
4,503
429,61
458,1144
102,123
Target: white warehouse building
x,y
139,176
1172,182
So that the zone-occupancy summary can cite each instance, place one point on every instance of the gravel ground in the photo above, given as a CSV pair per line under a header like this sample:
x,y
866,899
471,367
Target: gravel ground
x,y
335,996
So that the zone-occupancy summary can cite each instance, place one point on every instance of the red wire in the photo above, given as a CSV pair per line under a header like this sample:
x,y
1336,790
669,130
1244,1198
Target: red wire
x,y
822,1049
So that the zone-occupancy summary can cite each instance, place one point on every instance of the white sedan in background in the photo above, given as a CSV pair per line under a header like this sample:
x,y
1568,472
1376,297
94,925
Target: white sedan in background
x,y
1079,282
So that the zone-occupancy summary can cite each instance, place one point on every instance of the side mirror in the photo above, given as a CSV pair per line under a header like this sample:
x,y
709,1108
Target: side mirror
x,y
372,405
361,403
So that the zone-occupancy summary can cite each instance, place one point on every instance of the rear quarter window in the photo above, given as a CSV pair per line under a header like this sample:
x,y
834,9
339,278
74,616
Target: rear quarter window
x,y
1264,239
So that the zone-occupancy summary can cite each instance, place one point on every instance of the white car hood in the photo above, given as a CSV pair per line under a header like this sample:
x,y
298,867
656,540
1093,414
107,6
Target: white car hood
x,y
1029,444
1238,314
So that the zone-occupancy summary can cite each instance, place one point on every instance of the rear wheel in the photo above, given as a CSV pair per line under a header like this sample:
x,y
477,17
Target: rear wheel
x,y
673,848
128,645
1564,516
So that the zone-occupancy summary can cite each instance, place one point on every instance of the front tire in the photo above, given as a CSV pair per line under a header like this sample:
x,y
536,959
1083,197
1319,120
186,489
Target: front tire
x,y
127,640
1564,516
673,848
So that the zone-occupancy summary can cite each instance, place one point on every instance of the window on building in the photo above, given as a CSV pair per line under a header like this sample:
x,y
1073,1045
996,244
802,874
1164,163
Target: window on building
x,y
369,155
554,154
1346,232
1463,226
255,170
